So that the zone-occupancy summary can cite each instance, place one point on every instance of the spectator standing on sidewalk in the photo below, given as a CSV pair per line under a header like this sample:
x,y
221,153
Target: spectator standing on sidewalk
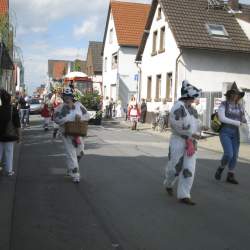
x,y
143,111
232,116
45,113
134,116
111,106
106,107
9,131
119,109
185,127
74,145
24,110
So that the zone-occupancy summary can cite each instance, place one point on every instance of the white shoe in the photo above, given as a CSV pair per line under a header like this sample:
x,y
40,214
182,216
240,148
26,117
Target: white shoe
x,y
75,175
76,179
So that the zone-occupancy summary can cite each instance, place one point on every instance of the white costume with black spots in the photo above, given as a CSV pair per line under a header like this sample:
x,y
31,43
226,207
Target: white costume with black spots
x,y
73,150
184,122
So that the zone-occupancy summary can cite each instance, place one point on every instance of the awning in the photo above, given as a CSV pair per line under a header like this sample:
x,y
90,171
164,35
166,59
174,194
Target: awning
x,y
5,60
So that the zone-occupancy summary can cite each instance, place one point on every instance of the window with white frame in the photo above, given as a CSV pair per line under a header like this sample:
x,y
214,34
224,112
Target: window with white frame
x,y
169,86
217,30
162,39
114,61
105,64
159,13
111,33
149,88
154,48
158,88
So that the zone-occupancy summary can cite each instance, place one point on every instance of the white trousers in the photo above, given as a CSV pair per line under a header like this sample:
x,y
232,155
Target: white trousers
x,y
180,167
6,153
72,152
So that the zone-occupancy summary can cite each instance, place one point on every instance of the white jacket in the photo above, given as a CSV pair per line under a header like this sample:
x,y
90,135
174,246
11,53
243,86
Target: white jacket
x,y
64,114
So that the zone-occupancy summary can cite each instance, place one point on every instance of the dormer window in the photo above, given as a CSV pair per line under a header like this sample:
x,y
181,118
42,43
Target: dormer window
x,y
159,13
216,30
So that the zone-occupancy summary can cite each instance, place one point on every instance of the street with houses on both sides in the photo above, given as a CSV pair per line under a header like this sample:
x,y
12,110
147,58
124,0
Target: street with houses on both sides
x,y
120,202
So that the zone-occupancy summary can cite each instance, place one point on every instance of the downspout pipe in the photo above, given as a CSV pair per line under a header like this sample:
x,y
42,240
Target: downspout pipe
x,y
118,75
139,81
176,74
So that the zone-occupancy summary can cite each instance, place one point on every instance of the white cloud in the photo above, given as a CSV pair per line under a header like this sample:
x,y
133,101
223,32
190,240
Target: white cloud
x,y
35,14
87,28
39,29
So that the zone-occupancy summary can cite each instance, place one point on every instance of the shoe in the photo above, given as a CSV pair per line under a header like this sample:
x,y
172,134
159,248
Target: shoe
x,y
231,179
187,201
75,175
218,173
76,180
170,191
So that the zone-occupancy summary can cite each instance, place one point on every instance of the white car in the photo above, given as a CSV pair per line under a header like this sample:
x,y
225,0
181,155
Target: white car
x,y
35,106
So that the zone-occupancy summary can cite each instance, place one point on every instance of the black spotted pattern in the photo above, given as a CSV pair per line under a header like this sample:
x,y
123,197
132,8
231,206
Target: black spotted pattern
x,y
180,113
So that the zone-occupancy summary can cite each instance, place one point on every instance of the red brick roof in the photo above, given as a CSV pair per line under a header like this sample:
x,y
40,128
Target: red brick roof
x,y
4,7
130,20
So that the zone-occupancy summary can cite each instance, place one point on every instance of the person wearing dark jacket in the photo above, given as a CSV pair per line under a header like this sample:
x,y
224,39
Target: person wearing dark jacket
x,y
8,115
143,111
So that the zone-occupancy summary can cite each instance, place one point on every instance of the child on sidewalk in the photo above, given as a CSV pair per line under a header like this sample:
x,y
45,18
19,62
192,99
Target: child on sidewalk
x,y
45,113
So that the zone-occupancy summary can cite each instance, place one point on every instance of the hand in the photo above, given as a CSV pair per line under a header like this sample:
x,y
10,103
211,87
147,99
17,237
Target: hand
x,y
19,140
190,148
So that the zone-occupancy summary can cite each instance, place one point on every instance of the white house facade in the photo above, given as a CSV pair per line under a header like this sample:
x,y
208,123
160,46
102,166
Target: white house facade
x,y
158,63
120,46
170,55
110,62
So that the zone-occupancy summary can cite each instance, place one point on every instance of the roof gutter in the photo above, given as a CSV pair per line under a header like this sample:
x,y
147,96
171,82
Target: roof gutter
x,y
176,74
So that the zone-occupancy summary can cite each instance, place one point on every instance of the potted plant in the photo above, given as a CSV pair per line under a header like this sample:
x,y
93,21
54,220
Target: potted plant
x,y
92,101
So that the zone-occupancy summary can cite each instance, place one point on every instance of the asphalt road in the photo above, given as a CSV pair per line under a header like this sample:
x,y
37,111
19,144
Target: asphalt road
x,y
120,202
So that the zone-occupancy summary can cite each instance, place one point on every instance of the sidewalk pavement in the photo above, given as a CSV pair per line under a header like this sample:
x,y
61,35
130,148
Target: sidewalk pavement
x,y
211,142
7,194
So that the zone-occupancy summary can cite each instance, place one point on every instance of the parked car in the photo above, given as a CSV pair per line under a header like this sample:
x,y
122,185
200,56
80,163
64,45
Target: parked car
x,y
35,106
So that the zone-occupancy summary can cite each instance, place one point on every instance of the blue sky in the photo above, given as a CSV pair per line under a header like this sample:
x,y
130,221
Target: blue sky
x,y
56,29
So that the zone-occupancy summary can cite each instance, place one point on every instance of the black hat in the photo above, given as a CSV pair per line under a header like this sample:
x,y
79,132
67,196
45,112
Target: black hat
x,y
234,90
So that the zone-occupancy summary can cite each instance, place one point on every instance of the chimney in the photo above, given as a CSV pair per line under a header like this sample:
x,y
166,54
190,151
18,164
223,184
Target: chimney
x,y
233,4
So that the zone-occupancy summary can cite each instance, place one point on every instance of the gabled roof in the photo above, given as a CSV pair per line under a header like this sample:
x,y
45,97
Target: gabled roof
x,y
95,50
130,19
4,7
187,20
